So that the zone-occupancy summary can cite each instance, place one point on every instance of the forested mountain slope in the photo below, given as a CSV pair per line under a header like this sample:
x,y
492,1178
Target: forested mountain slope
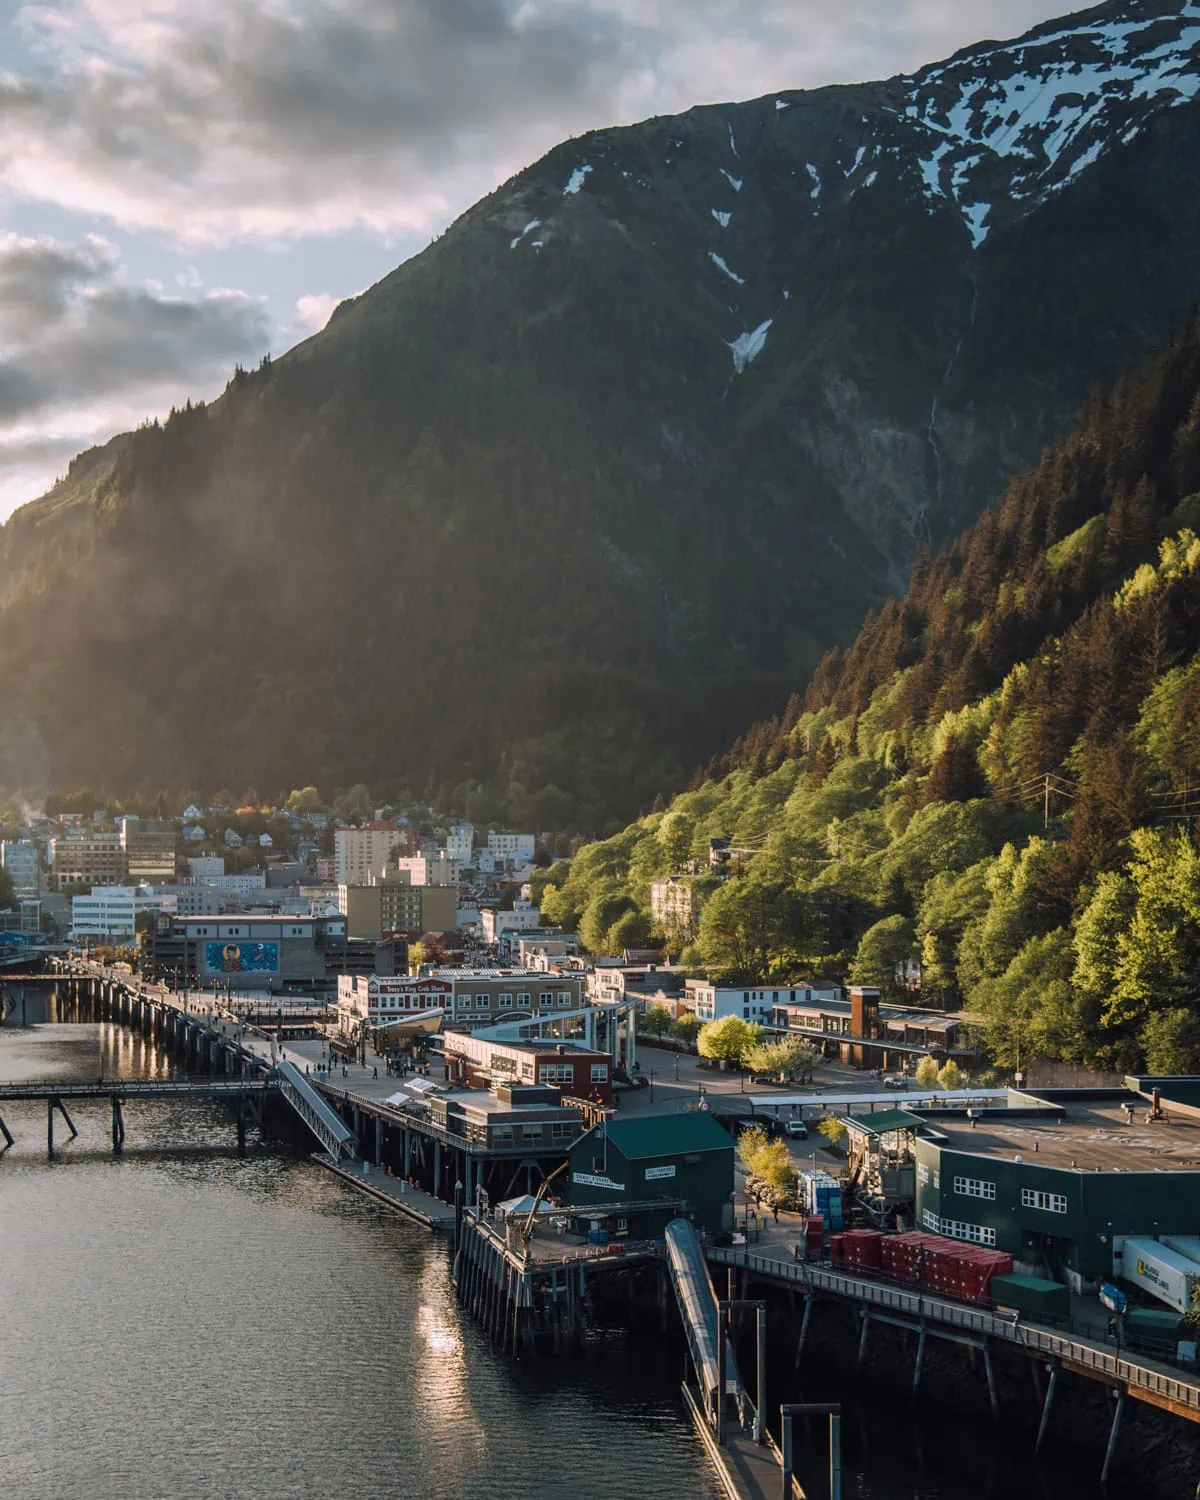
x,y
1001,775
592,482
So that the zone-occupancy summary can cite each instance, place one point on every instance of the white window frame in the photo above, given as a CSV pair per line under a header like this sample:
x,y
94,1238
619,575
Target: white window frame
x,y
599,1072
1050,1203
975,1187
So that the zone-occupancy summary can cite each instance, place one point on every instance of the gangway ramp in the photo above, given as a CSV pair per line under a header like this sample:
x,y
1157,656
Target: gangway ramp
x,y
325,1123
748,1470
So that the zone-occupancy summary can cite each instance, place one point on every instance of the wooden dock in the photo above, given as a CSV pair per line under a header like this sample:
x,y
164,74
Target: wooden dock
x,y
392,1192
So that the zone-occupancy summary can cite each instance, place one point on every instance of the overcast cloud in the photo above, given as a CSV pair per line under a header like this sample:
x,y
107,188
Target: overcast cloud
x,y
298,149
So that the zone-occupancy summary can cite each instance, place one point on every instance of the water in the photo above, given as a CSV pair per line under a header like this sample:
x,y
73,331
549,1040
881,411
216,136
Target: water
x,y
177,1322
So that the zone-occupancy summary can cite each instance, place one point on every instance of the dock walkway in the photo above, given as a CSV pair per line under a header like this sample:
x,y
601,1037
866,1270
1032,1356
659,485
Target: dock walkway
x,y
392,1192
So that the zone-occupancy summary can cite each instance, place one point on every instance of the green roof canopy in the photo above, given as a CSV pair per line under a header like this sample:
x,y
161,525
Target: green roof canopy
x,y
884,1122
663,1135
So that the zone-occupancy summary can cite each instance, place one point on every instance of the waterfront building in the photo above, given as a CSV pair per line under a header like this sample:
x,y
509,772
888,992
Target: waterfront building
x,y
486,1062
270,952
470,997
1061,1180
108,914
678,1156
19,858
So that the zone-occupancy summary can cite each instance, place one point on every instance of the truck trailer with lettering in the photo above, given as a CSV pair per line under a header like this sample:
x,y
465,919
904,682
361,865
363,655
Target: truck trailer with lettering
x,y
1162,1272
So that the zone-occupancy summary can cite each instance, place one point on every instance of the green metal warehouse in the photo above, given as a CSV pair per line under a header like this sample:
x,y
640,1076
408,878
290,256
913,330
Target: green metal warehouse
x,y
1060,1179
681,1156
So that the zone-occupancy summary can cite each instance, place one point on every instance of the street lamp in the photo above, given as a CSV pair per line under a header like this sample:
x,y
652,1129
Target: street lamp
x,y
651,1085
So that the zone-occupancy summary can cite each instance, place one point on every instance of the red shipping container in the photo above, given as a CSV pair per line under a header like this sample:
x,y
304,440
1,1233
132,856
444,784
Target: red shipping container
x,y
837,1248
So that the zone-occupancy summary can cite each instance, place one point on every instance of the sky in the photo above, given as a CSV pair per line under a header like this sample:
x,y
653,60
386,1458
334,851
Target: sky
x,y
186,186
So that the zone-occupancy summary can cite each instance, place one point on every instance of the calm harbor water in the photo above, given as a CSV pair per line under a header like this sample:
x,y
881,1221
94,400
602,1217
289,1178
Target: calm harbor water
x,y
181,1323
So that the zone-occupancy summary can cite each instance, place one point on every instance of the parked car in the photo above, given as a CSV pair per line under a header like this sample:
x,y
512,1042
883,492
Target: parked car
x,y
797,1130
897,1082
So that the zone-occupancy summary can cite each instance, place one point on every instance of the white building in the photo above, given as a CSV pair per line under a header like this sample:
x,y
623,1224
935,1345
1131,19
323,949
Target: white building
x,y
194,833
109,912
523,918
672,905
460,842
206,868
360,853
514,846
20,860
238,885
713,1003
233,839
421,869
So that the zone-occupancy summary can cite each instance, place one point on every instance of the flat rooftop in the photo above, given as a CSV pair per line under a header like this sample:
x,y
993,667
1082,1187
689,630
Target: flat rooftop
x,y
1094,1136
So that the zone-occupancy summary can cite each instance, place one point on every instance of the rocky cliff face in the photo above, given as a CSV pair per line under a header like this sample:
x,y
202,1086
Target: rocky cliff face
x,y
575,493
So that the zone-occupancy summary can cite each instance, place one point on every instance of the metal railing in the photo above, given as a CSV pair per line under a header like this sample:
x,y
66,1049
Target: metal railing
x,y
325,1123
1111,1364
135,1088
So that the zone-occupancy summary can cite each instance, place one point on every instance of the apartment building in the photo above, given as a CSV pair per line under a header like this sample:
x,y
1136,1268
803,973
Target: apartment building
x,y
84,857
149,847
428,869
517,847
393,905
360,853
19,859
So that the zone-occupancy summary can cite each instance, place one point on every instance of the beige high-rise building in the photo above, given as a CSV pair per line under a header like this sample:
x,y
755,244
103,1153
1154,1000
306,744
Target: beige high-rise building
x,y
394,905
362,854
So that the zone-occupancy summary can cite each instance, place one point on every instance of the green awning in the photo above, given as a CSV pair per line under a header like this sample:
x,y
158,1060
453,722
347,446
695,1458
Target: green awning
x,y
884,1121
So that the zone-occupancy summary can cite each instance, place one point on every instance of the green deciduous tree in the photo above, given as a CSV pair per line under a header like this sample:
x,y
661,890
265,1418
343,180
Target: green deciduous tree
x,y
950,1075
927,1072
752,930
727,1040
890,942
686,1028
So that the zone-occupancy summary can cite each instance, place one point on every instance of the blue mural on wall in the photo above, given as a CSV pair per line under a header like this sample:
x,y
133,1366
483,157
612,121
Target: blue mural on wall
x,y
241,958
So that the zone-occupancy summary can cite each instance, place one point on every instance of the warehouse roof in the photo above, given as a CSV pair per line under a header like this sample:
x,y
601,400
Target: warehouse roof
x,y
1092,1136
665,1135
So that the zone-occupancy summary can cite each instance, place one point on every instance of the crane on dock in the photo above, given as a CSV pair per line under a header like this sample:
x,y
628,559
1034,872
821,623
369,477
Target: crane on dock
x,y
527,1227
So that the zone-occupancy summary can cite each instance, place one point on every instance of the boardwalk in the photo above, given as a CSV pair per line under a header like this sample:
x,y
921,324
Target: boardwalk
x,y
393,1193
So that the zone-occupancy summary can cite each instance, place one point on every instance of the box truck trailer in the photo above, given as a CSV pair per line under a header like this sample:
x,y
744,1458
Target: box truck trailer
x,y
1161,1271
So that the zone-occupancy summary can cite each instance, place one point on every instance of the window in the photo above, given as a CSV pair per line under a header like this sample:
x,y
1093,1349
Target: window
x,y
506,1002
1053,1203
599,1072
501,1134
922,1174
483,1002
545,997
556,1073
562,1130
975,1234
531,1132
974,1187
523,997
564,999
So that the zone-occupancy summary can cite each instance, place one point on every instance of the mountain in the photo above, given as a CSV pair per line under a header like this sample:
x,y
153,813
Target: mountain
x,y
1000,776
596,478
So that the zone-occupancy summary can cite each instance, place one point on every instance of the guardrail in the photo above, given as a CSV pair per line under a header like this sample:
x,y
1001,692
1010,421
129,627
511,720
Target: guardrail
x,y
1091,1356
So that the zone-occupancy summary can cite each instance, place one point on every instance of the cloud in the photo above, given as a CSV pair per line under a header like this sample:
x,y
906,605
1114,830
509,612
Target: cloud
x,y
238,120
82,352
315,310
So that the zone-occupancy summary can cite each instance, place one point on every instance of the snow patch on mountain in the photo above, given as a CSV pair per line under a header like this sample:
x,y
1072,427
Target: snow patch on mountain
x,y
732,142
734,182
516,240
719,262
577,178
816,180
722,217
748,346
782,104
